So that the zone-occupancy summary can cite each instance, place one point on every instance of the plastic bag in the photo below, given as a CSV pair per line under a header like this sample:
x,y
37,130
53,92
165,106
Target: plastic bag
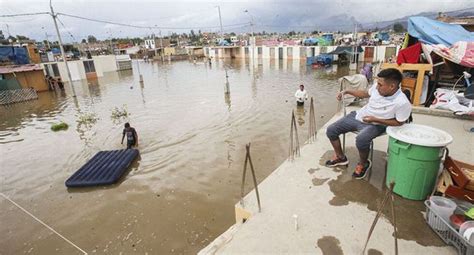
x,y
446,99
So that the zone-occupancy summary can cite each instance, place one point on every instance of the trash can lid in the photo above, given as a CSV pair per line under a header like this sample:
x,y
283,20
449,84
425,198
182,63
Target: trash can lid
x,y
420,135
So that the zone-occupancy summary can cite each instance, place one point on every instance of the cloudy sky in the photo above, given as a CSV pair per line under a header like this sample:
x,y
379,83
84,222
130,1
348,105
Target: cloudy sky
x,y
183,15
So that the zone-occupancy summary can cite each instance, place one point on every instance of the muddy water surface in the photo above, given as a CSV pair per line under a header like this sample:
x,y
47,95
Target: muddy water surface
x,y
180,194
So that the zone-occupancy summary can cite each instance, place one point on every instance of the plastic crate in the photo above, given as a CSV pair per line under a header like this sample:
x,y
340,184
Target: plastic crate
x,y
447,232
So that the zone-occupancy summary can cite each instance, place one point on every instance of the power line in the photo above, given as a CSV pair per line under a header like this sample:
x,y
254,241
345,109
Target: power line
x,y
23,14
62,24
145,27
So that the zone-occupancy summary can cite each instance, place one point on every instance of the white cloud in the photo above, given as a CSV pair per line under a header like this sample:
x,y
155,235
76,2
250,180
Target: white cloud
x,y
281,15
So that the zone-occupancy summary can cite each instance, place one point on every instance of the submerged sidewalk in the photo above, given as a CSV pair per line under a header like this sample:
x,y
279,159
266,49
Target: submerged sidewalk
x,y
335,212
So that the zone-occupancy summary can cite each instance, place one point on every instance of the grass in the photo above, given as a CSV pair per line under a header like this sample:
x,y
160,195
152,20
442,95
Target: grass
x,y
59,126
118,113
87,119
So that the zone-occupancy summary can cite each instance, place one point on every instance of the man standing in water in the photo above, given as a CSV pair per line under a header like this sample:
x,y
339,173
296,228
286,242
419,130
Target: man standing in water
x,y
387,106
132,137
301,95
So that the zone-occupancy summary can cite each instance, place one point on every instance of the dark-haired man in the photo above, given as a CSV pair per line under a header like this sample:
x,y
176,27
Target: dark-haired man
x,y
387,106
301,95
132,137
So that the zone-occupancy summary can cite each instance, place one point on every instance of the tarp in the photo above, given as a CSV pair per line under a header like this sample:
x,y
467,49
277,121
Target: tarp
x,y
384,36
9,84
310,41
346,50
16,55
461,53
436,32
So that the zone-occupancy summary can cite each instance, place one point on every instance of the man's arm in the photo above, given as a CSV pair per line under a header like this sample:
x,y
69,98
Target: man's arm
x,y
355,93
388,122
136,137
123,136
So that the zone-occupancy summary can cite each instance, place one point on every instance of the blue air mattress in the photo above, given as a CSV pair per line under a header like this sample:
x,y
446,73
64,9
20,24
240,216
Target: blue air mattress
x,y
105,168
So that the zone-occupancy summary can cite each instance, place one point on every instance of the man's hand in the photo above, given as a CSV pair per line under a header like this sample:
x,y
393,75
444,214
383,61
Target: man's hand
x,y
340,95
369,119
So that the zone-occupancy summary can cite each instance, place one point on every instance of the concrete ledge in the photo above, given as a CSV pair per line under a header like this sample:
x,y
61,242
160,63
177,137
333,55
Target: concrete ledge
x,y
334,211
440,113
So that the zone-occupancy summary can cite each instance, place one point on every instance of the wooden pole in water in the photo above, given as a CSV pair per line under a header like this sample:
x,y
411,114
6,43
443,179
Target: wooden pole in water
x,y
312,123
294,149
248,159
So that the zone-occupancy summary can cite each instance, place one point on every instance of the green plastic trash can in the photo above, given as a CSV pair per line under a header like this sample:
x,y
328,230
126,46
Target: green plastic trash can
x,y
414,157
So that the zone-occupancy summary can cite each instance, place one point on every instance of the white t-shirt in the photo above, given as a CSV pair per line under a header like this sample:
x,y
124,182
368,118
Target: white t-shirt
x,y
301,95
395,106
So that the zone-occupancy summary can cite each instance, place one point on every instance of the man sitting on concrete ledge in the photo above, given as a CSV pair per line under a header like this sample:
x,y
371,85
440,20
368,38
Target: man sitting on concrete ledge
x,y
387,106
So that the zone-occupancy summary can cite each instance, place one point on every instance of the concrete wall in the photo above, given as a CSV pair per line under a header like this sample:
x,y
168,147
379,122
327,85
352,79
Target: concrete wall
x,y
169,51
104,64
297,52
31,79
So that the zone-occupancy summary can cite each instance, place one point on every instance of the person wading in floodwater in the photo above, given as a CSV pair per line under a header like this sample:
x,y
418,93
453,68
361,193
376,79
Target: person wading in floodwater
x,y
301,96
132,137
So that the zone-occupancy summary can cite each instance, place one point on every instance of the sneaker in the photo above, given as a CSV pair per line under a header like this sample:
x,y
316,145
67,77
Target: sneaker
x,y
335,161
361,171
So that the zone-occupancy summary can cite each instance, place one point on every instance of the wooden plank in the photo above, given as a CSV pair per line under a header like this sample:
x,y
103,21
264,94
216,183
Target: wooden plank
x,y
421,68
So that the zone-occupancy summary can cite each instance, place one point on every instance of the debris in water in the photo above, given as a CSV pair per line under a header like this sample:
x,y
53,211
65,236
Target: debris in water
x,y
296,221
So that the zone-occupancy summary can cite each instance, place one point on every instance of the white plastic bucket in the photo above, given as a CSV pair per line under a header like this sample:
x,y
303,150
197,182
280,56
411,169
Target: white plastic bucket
x,y
444,207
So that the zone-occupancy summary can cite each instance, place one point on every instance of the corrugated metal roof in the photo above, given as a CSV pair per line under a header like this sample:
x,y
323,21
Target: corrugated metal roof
x,y
19,68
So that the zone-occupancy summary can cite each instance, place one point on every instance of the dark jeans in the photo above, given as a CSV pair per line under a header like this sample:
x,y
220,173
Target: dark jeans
x,y
130,144
366,132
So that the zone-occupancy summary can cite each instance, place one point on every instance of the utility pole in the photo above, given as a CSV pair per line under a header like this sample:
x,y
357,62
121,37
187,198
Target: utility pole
x,y
226,88
253,41
8,30
220,21
62,49
47,40
110,42
161,48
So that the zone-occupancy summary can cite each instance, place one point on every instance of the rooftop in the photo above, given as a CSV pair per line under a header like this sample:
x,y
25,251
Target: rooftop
x,y
19,68
334,211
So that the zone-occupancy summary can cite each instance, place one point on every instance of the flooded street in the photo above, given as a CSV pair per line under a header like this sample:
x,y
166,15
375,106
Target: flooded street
x,y
180,193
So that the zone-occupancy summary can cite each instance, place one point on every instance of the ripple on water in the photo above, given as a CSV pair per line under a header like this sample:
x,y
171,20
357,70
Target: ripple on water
x,y
191,138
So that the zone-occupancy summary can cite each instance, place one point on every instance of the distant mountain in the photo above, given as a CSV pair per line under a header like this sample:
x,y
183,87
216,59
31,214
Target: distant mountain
x,y
345,23
385,25
342,22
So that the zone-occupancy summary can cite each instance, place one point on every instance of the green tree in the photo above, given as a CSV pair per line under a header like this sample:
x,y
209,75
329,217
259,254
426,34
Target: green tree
x,y
83,41
13,39
91,39
291,33
398,27
22,37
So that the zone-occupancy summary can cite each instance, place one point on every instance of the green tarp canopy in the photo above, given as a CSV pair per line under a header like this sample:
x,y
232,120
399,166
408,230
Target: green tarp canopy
x,y
346,50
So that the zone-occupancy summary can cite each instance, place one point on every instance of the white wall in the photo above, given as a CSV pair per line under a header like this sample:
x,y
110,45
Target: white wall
x,y
265,52
104,64
76,67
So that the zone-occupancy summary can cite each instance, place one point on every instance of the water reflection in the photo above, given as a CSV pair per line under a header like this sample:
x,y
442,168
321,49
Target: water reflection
x,y
192,141
300,114
227,100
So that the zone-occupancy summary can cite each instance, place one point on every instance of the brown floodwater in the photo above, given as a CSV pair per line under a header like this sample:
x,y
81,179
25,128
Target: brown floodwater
x,y
180,194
